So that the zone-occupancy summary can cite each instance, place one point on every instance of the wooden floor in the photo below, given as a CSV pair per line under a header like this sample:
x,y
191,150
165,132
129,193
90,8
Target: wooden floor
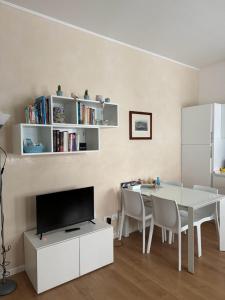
x,y
137,276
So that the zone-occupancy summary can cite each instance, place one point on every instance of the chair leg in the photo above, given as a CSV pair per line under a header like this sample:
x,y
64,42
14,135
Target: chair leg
x,y
170,237
163,236
121,225
143,237
139,227
199,240
179,251
173,235
217,227
150,236
217,220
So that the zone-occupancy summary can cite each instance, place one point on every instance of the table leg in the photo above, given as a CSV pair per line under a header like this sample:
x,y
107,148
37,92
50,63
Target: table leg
x,y
191,265
222,224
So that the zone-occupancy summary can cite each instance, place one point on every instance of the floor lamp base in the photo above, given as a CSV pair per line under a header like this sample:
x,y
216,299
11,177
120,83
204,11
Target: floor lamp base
x,y
7,287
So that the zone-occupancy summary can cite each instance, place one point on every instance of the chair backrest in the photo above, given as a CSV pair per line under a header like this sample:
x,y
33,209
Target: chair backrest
x,y
133,203
166,213
175,183
205,188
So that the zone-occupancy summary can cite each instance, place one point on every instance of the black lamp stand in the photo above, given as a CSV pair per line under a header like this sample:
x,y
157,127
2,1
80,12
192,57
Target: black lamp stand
x,y
7,285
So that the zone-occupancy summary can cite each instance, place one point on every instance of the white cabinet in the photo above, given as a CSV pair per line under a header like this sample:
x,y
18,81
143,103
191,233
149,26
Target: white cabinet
x,y
219,182
203,146
96,250
197,125
60,257
196,165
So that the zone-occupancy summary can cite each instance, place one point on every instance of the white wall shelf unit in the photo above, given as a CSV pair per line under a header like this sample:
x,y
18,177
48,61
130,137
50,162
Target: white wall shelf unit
x,y
106,114
39,133
82,117
60,256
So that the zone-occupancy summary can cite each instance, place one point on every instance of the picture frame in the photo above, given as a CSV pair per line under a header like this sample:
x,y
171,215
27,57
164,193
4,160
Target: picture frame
x,y
140,125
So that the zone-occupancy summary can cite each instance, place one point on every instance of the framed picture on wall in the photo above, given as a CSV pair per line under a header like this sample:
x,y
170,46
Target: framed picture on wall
x,y
140,125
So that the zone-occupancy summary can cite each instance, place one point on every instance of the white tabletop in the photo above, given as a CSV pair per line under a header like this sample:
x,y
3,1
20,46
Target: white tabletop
x,y
183,196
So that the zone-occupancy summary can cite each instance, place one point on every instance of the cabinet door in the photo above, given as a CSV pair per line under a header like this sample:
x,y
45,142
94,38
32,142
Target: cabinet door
x,y
96,250
196,165
219,183
57,264
197,125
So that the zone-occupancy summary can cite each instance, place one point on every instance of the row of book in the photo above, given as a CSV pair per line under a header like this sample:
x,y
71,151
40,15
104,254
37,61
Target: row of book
x,y
64,141
38,113
88,115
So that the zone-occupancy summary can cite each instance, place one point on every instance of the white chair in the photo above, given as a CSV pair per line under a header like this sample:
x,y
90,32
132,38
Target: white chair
x,y
164,232
133,207
204,214
166,215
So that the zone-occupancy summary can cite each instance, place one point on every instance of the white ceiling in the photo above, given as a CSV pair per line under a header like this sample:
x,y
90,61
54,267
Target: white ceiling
x,y
188,31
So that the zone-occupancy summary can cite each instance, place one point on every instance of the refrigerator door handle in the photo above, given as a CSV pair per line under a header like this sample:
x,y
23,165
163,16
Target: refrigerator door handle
x,y
212,137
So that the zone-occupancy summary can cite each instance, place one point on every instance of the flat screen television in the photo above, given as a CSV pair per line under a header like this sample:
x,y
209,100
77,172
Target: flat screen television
x,y
61,209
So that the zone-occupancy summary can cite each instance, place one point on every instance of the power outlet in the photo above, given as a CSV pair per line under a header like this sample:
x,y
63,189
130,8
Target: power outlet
x,y
107,217
114,223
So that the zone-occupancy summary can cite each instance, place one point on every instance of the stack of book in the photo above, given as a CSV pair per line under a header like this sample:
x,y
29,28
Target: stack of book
x,y
38,113
64,141
86,114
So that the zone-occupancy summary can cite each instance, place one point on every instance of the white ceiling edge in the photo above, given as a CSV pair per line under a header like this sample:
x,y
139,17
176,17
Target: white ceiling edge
x,y
95,34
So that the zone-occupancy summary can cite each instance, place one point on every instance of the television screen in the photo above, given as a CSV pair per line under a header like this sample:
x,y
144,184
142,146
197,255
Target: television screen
x,y
61,209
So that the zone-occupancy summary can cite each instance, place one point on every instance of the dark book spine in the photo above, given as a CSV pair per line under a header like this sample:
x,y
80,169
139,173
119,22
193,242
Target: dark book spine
x,y
79,121
74,148
47,111
55,140
61,141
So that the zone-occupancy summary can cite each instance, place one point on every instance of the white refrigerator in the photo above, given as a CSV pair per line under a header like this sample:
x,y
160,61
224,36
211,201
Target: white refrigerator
x,y
202,147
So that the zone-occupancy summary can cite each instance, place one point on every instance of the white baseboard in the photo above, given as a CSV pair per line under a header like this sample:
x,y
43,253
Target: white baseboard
x,y
16,270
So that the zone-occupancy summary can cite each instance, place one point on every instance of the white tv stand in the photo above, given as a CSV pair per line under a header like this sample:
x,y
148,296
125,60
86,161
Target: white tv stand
x,y
62,256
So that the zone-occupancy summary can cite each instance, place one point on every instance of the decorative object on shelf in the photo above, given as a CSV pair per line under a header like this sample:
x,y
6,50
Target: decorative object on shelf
x,y
7,286
58,113
86,96
105,122
83,146
59,91
74,96
100,98
107,100
30,147
158,181
140,125
39,112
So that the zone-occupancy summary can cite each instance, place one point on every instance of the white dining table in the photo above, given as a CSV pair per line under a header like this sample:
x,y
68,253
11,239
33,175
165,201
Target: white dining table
x,y
191,200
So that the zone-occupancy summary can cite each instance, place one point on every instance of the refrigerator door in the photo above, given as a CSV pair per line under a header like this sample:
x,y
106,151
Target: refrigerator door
x,y
196,165
197,125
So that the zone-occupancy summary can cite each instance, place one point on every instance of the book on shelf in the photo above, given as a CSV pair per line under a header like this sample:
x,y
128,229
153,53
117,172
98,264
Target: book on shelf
x,y
86,114
64,141
38,113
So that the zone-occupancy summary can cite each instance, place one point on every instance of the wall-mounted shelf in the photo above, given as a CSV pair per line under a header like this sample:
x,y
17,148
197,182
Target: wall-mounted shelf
x,y
44,134
78,111
84,129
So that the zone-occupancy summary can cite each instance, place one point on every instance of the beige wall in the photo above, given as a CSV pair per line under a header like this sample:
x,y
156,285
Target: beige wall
x,y
212,83
37,54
